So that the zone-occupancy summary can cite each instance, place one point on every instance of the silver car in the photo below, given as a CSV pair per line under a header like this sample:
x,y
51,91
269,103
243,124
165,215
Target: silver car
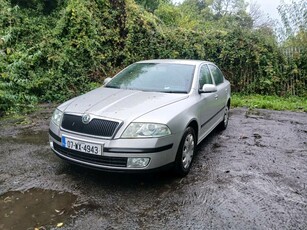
x,y
149,116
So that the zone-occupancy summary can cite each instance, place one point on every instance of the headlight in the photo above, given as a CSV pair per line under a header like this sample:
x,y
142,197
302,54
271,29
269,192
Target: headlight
x,y
57,117
139,130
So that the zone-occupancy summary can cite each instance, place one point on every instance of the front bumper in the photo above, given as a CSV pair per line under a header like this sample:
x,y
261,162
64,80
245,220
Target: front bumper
x,y
118,153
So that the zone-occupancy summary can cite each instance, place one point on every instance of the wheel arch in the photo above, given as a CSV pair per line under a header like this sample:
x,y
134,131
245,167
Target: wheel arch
x,y
193,123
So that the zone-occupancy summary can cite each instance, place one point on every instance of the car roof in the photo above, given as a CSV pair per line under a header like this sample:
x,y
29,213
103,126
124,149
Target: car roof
x,y
176,61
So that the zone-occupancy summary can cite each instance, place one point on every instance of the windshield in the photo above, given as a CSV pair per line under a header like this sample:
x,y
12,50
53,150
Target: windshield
x,y
156,77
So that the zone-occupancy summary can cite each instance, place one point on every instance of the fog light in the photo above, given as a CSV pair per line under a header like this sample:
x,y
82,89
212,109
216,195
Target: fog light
x,y
51,144
137,162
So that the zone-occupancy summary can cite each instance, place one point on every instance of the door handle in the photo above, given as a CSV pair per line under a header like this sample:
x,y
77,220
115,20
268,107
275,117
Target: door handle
x,y
216,96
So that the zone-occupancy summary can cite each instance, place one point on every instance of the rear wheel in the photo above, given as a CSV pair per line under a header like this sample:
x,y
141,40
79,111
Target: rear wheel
x,y
186,152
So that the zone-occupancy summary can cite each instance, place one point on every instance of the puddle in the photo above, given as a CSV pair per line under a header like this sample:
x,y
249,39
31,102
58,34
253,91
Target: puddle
x,y
37,208
36,138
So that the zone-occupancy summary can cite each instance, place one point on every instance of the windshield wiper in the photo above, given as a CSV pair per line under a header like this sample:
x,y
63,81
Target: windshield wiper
x,y
111,86
174,91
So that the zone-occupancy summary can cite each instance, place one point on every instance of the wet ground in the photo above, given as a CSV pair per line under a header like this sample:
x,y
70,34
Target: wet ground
x,y
251,176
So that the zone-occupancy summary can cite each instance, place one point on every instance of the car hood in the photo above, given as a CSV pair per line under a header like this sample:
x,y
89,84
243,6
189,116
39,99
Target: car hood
x,y
120,104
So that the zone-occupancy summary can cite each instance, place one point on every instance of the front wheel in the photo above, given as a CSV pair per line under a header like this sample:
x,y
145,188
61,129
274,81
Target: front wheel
x,y
185,153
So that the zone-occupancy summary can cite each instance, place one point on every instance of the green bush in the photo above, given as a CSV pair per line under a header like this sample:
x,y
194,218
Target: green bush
x,y
54,52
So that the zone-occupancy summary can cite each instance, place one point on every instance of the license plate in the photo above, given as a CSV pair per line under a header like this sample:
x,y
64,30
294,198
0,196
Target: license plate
x,y
81,146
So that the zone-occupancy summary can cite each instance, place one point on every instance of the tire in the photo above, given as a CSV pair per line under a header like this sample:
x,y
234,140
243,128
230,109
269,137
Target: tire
x,y
185,153
223,125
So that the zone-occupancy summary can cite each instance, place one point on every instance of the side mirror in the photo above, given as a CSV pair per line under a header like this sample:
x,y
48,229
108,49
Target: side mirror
x,y
107,80
208,88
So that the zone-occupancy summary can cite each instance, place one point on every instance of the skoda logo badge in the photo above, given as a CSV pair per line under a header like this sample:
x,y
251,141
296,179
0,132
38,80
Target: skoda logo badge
x,y
86,119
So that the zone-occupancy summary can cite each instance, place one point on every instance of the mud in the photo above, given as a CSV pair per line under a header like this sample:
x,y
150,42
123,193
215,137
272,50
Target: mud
x,y
253,175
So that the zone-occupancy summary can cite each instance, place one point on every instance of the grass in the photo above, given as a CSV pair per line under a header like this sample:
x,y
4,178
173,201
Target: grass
x,y
255,101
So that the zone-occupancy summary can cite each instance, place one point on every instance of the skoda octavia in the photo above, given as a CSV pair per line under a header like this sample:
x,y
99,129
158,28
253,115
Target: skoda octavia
x,y
150,115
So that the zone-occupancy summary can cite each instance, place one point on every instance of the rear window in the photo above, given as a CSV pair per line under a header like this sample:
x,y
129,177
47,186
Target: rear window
x,y
217,74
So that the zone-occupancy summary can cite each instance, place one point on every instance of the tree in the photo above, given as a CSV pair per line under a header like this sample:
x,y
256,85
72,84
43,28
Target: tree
x,y
260,19
199,5
223,7
186,16
215,14
169,14
294,17
151,5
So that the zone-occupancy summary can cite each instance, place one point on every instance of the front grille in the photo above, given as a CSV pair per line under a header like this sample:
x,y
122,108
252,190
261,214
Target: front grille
x,y
90,158
97,127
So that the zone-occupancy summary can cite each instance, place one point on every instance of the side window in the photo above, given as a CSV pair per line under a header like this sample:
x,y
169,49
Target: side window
x,y
204,76
217,74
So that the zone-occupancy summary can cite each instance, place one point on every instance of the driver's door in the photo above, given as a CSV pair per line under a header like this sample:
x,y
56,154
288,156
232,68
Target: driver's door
x,y
208,104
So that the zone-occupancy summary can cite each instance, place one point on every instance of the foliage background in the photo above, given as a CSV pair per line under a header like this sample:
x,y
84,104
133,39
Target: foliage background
x,y
54,50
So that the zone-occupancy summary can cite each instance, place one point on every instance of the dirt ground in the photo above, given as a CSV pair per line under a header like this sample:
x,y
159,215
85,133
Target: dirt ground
x,y
251,176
